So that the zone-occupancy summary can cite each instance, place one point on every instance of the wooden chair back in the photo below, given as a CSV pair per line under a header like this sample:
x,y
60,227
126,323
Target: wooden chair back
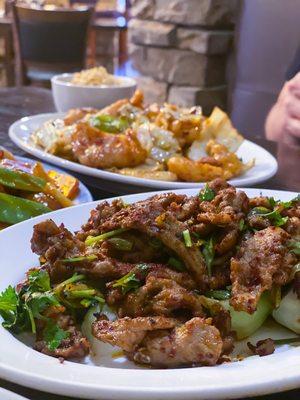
x,y
50,39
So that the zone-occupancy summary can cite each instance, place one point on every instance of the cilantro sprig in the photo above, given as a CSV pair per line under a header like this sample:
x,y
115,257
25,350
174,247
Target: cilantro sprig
x,y
54,335
132,280
187,238
283,204
274,216
20,309
9,302
207,194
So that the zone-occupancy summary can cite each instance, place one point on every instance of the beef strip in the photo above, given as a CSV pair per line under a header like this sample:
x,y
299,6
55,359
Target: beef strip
x,y
218,184
262,261
293,224
194,343
103,212
162,342
227,208
114,296
127,333
181,278
164,217
53,242
260,201
258,222
161,296
228,241
74,346
263,347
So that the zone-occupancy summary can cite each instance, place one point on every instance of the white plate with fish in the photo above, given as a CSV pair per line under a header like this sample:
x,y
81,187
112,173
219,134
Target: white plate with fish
x,y
117,378
20,133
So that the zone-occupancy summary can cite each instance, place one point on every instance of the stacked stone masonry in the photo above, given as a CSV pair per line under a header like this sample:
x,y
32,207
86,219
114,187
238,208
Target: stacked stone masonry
x,y
180,48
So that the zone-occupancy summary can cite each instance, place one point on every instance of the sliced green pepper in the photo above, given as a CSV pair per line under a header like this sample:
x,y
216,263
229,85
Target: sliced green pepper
x,y
108,123
120,244
15,209
21,180
91,240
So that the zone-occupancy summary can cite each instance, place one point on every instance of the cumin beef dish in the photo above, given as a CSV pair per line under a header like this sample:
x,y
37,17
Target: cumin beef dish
x,y
174,271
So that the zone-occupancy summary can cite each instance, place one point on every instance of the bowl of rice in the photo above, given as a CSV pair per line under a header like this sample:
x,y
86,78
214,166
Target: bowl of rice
x,y
93,87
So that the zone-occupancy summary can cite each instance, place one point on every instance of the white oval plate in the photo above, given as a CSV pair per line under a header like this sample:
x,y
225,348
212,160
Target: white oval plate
x,y
84,195
20,131
19,363
8,395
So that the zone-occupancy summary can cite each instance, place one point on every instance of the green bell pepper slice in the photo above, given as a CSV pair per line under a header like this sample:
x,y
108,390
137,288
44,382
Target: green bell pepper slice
x,y
21,180
110,124
15,209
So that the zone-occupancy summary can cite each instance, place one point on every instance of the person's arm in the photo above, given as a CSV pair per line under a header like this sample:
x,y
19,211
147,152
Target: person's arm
x,y
283,121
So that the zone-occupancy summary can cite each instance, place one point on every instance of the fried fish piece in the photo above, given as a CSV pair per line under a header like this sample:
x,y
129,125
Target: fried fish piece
x,y
98,149
220,163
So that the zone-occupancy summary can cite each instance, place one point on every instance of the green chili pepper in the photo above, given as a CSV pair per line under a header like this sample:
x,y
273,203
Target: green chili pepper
x,y
187,238
91,240
108,123
92,257
121,244
218,294
21,180
15,209
177,264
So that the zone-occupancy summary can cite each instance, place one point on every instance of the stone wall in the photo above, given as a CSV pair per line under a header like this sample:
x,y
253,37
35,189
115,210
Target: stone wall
x,y
180,49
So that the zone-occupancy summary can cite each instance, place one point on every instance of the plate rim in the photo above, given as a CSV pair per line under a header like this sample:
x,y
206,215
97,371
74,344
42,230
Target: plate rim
x,y
274,382
11,395
124,179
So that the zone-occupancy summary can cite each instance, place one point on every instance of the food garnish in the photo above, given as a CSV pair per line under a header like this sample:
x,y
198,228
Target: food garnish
x,y
172,280
27,190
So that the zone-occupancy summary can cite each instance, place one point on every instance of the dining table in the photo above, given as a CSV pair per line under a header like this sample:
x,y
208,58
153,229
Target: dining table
x,y
18,102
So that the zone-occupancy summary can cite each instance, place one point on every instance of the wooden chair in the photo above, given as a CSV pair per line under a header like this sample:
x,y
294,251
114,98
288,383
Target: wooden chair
x,y
7,58
49,42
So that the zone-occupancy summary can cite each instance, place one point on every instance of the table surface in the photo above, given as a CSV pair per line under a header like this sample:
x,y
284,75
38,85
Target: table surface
x,y
16,103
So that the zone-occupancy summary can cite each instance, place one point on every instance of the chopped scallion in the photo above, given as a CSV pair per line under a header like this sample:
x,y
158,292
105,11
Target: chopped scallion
x,y
177,264
187,238
92,257
91,240
121,244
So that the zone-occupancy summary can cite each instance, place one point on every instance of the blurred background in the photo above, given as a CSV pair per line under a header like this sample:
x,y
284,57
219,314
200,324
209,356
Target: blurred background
x,y
232,53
